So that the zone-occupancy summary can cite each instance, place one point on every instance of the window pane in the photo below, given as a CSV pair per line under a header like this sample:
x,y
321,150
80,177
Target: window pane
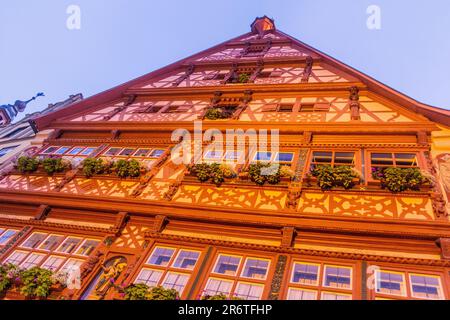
x,y
34,240
161,256
233,155
404,159
142,152
335,296
69,245
53,263
32,261
337,277
390,283
51,242
113,151
286,108
176,281
87,247
263,156
72,265
344,158
384,159
149,277
284,157
186,259
299,294
62,150
248,291
426,287
217,286
6,236
305,274
255,268
50,150
217,155
323,157
227,265
156,153
16,257
88,151
127,152
75,151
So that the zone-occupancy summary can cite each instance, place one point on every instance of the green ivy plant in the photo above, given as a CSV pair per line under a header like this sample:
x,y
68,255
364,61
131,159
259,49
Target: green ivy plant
x,y
55,165
36,282
125,169
400,179
220,296
27,164
329,177
92,166
244,78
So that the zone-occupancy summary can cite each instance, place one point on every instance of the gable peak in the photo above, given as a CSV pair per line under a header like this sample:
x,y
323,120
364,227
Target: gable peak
x,y
263,25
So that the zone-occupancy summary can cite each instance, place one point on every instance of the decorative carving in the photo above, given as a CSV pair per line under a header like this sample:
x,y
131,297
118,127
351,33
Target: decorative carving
x,y
444,244
258,70
69,176
121,221
422,138
439,205
307,137
278,277
173,188
293,197
248,96
288,237
42,212
354,103
16,239
114,112
160,223
115,134
308,69
90,264
131,100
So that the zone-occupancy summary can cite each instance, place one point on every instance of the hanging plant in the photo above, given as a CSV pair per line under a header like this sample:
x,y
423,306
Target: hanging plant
x,y
329,177
92,166
55,165
36,282
215,172
220,296
214,114
27,164
260,173
160,293
400,179
121,168
137,292
125,169
9,276
134,168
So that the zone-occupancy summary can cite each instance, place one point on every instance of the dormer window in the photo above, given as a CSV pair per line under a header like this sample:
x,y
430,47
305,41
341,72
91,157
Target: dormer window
x,y
314,107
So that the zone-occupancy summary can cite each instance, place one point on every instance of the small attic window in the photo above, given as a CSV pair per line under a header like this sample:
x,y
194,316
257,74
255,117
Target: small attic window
x,y
178,109
254,51
219,75
314,107
270,74
148,109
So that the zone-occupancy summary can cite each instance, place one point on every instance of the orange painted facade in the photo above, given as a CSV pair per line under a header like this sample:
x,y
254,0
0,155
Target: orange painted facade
x,y
290,240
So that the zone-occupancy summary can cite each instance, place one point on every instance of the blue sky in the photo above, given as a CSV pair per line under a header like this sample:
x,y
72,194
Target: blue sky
x,y
120,40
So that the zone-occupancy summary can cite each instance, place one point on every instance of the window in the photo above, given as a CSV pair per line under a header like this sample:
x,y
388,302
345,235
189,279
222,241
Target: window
x,y
164,265
305,273
282,158
13,133
72,265
51,243
112,152
53,263
6,150
156,153
249,291
405,160
50,150
426,287
16,257
335,296
6,236
255,268
186,259
285,107
217,287
301,294
392,283
227,265
87,247
87,151
142,152
69,245
238,276
214,155
33,260
332,158
176,281
337,277
161,256
62,150
34,240
314,107
127,152
75,151
149,277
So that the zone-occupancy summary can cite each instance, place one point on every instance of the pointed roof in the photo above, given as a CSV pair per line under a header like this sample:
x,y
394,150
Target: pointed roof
x,y
259,28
